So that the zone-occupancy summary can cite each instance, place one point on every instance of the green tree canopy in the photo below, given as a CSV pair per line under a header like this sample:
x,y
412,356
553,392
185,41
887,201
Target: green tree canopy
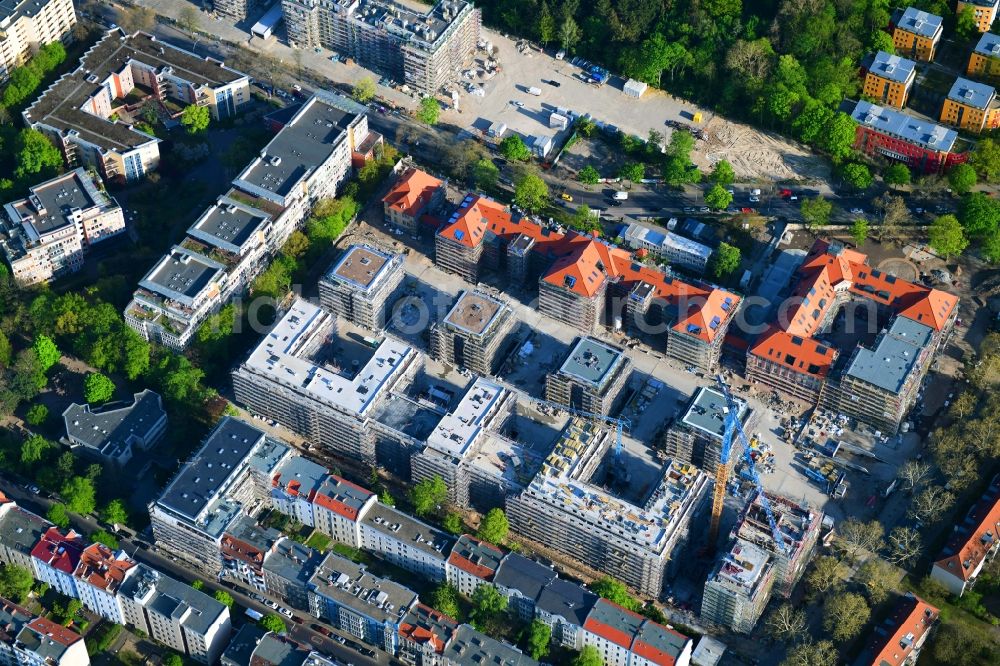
x,y
947,237
115,513
34,448
633,171
896,174
494,527
57,516
485,174
589,656
273,622
105,537
531,192
844,615
859,230
616,592
173,659
15,582
513,149
97,388
429,111
718,198
35,154
724,261
46,351
857,176
816,211
962,178
723,173
539,637
195,118
985,159
224,598
364,89
428,495
979,214
588,175
79,495
488,605
444,598
37,414
198,584
452,523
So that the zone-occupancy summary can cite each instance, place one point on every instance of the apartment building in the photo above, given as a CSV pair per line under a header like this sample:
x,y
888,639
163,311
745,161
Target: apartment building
x,y
349,597
799,526
209,495
37,641
288,569
175,614
624,638
794,357
287,378
425,50
233,241
414,194
292,486
338,507
889,79
237,9
471,563
738,590
455,447
254,646
49,233
591,378
474,332
243,547
696,437
583,282
916,34
880,385
80,111
984,12
359,285
985,59
111,433
406,542
923,146
423,633
668,246
55,558
522,580
26,25
899,638
562,509
564,607
20,530
99,575
971,106
468,647
973,544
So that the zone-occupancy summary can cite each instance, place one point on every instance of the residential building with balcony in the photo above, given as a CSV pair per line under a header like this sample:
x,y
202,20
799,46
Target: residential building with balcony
x,y
48,234
244,547
471,563
468,647
889,79
287,378
339,507
99,575
359,285
292,486
111,433
37,641
897,641
522,580
624,638
564,607
56,556
406,542
738,590
414,194
175,614
78,111
474,333
28,24
985,59
668,246
422,49
923,146
287,569
591,377
971,106
20,531
916,34
639,542
423,634
357,602
972,545
984,12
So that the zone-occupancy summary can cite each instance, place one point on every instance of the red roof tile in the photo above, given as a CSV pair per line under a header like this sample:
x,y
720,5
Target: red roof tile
x,y
61,552
412,192
970,545
101,568
56,632
893,642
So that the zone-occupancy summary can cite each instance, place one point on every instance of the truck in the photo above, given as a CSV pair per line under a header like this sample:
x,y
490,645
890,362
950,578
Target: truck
x,y
620,195
533,90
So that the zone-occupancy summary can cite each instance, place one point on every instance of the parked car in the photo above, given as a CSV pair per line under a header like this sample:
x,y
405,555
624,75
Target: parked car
x,y
270,604
565,196
517,103
553,83
857,211
319,628
754,198
284,611
786,194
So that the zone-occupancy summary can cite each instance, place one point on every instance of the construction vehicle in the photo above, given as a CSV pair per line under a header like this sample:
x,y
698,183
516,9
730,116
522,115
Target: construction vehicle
x,y
734,428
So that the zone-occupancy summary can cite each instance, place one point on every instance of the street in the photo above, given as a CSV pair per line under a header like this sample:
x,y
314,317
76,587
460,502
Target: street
x,y
302,633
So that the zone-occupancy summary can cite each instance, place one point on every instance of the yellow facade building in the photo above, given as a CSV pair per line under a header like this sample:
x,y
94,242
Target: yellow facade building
x,y
971,106
984,12
916,34
889,80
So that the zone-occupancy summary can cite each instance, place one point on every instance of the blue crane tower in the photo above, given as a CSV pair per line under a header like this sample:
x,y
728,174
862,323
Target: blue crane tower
x,y
734,428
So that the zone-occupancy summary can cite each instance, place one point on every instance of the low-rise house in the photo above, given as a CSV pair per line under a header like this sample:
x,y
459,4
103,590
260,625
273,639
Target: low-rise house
x,y
112,433
975,542
415,194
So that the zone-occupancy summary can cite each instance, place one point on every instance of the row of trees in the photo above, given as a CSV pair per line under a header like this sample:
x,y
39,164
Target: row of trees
x,y
25,80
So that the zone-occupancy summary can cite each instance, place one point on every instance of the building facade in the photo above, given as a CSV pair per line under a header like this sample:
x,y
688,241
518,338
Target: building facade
x,y
971,106
414,194
889,79
26,25
984,12
624,638
921,145
985,59
48,234
27,640
56,556
696,437
900,637
591,378
668,246
20,530
916,34
471,563
738,590
359,285
99,575
406,542
474,332
973,544
797,523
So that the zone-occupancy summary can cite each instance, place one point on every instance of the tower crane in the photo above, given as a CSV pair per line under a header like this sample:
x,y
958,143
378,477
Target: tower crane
x,y
734,428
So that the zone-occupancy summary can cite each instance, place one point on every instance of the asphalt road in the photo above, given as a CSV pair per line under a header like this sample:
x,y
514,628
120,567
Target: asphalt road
x,y
299,632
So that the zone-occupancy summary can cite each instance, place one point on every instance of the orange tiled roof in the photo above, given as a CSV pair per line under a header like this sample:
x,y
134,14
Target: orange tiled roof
x,y
55,632
972,545
101,568
469,223
831,269
893,642
411,192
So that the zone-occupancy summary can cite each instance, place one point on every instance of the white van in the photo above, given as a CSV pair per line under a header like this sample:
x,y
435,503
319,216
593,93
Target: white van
x,y
560,55
621,195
